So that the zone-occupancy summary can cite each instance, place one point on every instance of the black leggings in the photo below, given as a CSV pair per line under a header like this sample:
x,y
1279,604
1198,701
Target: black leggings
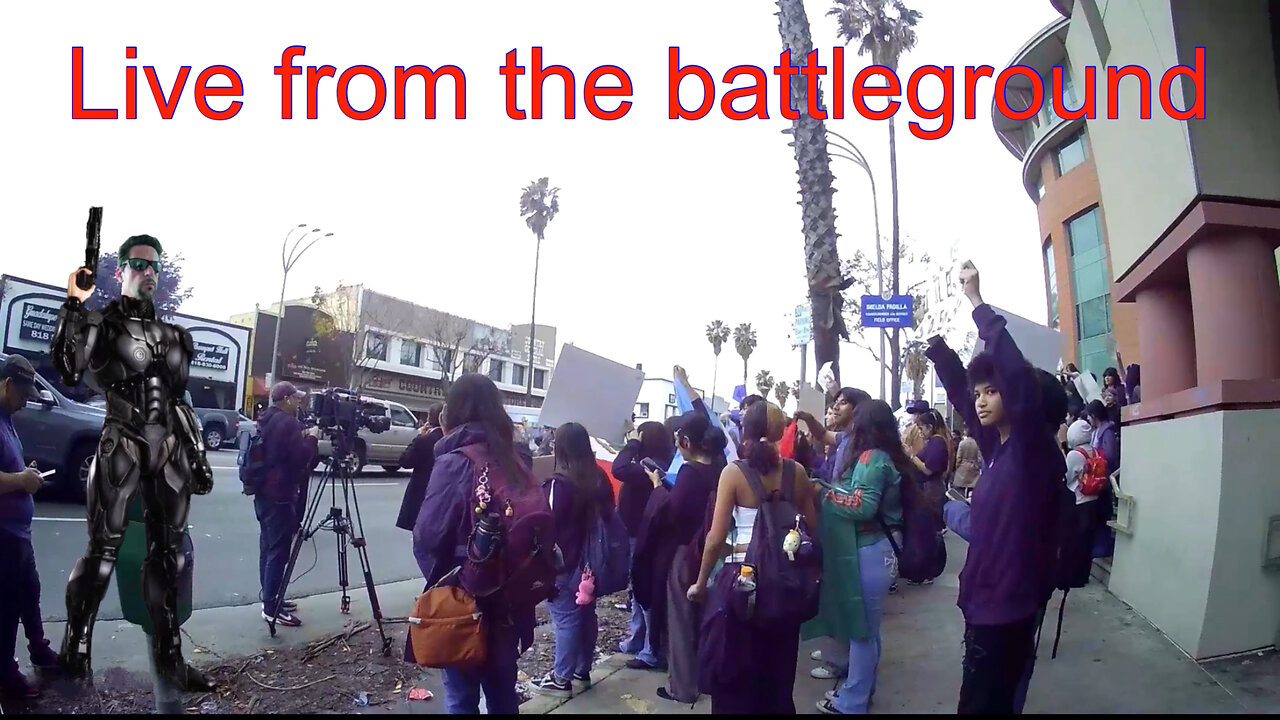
x,y
995,659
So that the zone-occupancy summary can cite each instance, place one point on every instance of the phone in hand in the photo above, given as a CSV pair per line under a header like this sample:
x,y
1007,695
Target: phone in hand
x,y
651,466
47,473
957,495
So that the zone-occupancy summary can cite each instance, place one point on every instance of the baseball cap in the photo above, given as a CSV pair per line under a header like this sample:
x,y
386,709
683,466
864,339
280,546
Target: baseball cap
x,y
18,369
282,390
916,407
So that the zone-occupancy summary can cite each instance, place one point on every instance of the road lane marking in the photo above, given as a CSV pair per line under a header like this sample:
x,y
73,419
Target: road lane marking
x,y
57,519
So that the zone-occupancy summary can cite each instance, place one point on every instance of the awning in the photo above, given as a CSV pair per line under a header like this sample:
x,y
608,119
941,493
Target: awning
x,y
260,388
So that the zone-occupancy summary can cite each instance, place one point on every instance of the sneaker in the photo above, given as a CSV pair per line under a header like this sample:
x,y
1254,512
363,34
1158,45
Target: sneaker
x,y
624,607
583,680
638,664
816,656
822,672
552,686
827,707
893,589
283,618
829,696
289,605
17,686
924,582
43,657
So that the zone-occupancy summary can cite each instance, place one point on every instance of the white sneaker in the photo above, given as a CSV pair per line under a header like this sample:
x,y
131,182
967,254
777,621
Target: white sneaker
x,y
283,618
822,672
816,656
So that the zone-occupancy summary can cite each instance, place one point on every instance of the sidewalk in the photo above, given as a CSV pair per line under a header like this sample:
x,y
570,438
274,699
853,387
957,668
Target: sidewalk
x,y
1110,661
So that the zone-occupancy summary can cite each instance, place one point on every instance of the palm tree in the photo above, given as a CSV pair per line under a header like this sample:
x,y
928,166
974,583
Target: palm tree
x,y
744,341
717,335
783,391
809,140
885,29
538,206
764,383
917,367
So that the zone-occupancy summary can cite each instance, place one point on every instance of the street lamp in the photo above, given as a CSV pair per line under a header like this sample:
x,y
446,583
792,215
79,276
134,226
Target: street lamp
x,y
854,155
286,262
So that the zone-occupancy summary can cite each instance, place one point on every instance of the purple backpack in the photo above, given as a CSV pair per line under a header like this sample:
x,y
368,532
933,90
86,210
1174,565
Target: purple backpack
x,y
786,587
511,537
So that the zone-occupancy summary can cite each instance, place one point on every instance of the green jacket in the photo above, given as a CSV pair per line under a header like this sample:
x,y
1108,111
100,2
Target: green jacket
x,y
847,522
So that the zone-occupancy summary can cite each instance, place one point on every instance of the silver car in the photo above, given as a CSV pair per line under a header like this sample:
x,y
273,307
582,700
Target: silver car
x,y
384,448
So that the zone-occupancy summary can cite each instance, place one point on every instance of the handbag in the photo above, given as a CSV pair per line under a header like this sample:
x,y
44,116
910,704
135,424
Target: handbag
x,y
447,629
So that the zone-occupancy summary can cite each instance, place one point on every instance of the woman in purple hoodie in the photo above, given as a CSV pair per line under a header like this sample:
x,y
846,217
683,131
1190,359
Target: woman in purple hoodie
x,y
1008,574
474,416
579,492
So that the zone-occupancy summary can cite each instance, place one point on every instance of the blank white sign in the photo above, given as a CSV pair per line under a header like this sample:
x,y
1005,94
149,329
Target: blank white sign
x,y
596,392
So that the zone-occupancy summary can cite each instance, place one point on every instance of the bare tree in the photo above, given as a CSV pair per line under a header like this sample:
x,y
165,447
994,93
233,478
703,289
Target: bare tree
x,y
461,345
372,323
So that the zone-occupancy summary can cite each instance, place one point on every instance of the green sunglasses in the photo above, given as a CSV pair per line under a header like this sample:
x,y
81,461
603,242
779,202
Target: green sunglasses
x,y
141,264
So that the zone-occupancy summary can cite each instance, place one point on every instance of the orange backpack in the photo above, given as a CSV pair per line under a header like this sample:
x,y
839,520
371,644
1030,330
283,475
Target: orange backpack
x,y
1094,478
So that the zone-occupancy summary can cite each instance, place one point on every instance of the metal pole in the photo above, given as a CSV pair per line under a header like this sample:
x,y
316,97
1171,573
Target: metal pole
x,y
286,263
168,699
533,318
804,372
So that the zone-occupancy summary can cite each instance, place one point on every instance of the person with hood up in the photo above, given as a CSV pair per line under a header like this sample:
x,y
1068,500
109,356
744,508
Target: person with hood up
x,y
419,457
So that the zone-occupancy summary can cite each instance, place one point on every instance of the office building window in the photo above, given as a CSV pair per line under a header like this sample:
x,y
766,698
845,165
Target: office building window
x,y
1085,233
672,411
1051,284
540,379
375,346
443,360
410,353
671,398
1070,153
1040,189
1091,285
496,368
517,374
642,410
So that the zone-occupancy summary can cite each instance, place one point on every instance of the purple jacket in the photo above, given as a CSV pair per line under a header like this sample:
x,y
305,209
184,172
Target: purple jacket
x,y
290,455
572,526
1008,574
439,535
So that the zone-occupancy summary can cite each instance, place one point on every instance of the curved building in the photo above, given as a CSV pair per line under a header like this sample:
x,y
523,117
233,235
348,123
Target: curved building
x,y
1059,176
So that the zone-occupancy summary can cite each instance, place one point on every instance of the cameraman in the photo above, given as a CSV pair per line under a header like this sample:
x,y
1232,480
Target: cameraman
x,y
290,453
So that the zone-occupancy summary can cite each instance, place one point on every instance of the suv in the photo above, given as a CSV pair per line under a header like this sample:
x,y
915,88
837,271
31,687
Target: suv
x,y
219,427
384,448
58,433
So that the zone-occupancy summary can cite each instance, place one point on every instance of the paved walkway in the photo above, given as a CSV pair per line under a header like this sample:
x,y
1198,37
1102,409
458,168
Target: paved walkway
x,y
1110,661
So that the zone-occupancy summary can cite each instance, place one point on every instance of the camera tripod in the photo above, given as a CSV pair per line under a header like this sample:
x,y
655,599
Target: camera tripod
x,y
338,520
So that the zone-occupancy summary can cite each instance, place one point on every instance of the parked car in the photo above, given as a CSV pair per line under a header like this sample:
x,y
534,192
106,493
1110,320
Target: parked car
x,y
58,433
384,448
219,427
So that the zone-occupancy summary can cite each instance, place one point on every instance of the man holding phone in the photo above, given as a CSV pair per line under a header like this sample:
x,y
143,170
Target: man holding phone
x,y
20,599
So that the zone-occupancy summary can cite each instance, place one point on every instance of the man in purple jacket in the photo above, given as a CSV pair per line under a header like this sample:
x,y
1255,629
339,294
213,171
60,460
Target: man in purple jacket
x,y
290,454
1008,575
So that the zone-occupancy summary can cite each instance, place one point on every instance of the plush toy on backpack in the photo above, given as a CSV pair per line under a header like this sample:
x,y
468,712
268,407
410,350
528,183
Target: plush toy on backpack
x,y
586,589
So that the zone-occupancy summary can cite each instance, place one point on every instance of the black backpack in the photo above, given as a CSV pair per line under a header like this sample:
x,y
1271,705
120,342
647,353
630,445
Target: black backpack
x,y
787,586
922,555
253,463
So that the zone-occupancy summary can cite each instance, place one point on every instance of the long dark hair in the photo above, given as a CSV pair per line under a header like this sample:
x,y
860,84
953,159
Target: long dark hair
x,y
576,463
475,399
705,438
657,443
760,432
875,428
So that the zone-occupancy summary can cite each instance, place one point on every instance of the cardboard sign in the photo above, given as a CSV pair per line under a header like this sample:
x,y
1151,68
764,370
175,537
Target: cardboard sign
x,y
1041,346
596,392
811,401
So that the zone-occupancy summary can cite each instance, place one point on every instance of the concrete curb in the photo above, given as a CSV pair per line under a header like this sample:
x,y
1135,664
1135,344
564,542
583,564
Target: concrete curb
x,y
542,704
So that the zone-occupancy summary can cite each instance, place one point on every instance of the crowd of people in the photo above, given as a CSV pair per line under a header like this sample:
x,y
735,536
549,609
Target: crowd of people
x,y
820,509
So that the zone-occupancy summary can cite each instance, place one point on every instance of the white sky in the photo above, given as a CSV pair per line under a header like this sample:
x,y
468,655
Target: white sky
x,y
664,225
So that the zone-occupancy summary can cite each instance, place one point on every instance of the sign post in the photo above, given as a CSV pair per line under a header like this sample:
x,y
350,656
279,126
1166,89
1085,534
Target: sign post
x,y
803,332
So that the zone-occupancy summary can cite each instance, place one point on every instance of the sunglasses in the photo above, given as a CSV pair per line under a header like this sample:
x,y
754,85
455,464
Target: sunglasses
x,y
141,264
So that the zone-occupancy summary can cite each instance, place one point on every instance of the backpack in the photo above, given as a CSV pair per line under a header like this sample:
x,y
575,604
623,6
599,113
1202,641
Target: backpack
x,y
1094,478
922,554
511,537
787,586
607,549
253,463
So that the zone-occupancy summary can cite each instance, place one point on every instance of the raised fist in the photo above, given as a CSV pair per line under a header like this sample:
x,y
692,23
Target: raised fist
x,y
969,281
73,290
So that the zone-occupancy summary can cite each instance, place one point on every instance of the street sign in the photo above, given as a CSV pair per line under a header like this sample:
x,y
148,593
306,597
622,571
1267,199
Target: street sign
x,y
896,311
803,327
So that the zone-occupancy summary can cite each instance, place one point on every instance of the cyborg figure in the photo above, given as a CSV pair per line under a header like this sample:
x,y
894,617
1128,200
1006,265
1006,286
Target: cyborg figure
x,y
149,444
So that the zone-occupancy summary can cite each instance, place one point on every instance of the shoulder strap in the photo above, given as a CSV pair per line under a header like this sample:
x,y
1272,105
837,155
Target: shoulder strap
x,y
754,480
788,483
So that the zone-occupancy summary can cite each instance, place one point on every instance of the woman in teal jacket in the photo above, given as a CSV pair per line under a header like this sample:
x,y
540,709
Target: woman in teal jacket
x,y
859,564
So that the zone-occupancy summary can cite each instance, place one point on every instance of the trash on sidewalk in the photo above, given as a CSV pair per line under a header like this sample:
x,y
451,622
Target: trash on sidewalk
x,y
420,694
361,699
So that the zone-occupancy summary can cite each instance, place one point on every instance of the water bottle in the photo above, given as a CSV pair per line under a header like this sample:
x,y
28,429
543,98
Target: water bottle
x,y
746,583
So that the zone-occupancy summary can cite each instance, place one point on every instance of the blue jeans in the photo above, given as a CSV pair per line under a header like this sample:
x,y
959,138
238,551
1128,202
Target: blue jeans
x,y
576,628
497,677
637,643
277,523
877,567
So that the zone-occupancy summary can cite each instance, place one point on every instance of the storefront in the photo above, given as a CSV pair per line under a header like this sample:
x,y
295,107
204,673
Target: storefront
x,y
413,391
218,368
311,355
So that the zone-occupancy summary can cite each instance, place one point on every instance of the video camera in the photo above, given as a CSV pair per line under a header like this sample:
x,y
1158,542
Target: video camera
x,y
342,411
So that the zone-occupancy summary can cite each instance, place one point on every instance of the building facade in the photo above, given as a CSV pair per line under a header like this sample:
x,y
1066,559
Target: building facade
x,y
218,370
313,353
410,354
1059,174
1193,226
657,400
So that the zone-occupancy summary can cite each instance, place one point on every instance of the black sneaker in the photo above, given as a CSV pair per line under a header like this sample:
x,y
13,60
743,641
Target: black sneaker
x,y
638,664
552,686
583,679
284,618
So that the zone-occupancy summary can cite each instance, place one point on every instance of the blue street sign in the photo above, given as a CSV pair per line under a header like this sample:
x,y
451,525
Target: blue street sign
x,y
896,312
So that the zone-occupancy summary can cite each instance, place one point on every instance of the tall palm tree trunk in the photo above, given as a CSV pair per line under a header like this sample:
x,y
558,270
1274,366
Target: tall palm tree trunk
x,y
715,377
533,318
895,340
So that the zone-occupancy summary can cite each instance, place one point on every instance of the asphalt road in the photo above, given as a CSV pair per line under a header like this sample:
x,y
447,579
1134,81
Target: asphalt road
x,y
224,532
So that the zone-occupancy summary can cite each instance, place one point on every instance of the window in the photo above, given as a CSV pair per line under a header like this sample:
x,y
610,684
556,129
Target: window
x,y
410,353
1070,153
1093,317
672,411
401,417
517,374
496,367
671,398
540,379
444,360
1051,285
375,346
1084,232
1040,189
1091,285
642,410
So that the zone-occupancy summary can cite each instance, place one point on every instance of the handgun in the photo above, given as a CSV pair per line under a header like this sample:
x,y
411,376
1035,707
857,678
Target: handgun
x,y
92,241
